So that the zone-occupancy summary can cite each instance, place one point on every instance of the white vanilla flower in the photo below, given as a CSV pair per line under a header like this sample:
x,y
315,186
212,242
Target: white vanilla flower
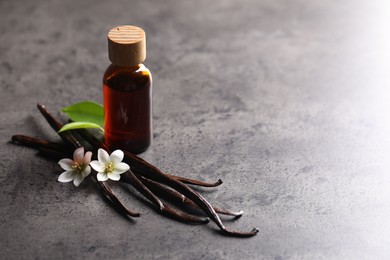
x,y
109,166
77,169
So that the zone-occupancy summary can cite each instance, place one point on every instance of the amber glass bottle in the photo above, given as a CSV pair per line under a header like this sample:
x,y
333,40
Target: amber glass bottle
x,y
127,91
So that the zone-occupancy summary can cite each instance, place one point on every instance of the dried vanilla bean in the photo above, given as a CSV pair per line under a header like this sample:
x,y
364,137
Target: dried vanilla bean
x,y
110,195
66,136
179,198
195,182
36,142
130,178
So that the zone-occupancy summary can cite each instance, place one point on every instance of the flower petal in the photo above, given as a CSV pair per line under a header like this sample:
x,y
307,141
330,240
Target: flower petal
x,y
97,166
103,156
114,176
87,158
116,156
121,167
101,176
86,171
78,179
78,155
66,164
66,176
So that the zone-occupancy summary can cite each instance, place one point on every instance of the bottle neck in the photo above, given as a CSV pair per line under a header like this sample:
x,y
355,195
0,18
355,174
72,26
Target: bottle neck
x,y
132,67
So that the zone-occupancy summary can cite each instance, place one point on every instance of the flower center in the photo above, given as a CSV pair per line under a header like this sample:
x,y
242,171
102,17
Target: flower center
x,y
78,167
109,167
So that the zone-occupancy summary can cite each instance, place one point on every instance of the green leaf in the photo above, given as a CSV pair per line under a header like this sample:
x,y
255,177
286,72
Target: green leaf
x,y
85,111
78,125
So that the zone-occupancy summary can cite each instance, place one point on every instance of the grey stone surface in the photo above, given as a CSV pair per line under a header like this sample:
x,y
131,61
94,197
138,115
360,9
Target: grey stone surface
x,y
286,101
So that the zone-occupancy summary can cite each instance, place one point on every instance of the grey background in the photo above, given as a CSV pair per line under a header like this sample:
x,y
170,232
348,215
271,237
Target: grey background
x,y
286,101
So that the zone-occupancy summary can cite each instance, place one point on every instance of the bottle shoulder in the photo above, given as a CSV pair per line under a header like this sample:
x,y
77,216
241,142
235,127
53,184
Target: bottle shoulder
x,y
127,78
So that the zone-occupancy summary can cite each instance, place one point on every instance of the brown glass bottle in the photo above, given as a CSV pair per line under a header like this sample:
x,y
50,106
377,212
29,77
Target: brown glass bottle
x,y
127,92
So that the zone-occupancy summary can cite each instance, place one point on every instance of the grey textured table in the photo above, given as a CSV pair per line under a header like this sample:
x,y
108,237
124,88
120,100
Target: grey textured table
x,y
286,101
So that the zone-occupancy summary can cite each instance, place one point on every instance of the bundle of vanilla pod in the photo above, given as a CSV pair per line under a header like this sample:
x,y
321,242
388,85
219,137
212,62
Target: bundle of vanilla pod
x,y
185,204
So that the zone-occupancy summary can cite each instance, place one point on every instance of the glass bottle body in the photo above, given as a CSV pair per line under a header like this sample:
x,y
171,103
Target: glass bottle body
x,y
127,96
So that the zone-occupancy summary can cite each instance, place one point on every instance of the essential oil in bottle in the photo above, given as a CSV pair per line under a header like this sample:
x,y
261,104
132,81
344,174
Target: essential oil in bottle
x,y
127,91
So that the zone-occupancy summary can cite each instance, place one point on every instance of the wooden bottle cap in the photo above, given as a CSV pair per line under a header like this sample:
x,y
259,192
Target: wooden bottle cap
x,y
126,45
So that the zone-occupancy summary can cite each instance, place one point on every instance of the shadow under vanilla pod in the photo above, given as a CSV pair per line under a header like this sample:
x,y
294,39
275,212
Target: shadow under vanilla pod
x,y
150,181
